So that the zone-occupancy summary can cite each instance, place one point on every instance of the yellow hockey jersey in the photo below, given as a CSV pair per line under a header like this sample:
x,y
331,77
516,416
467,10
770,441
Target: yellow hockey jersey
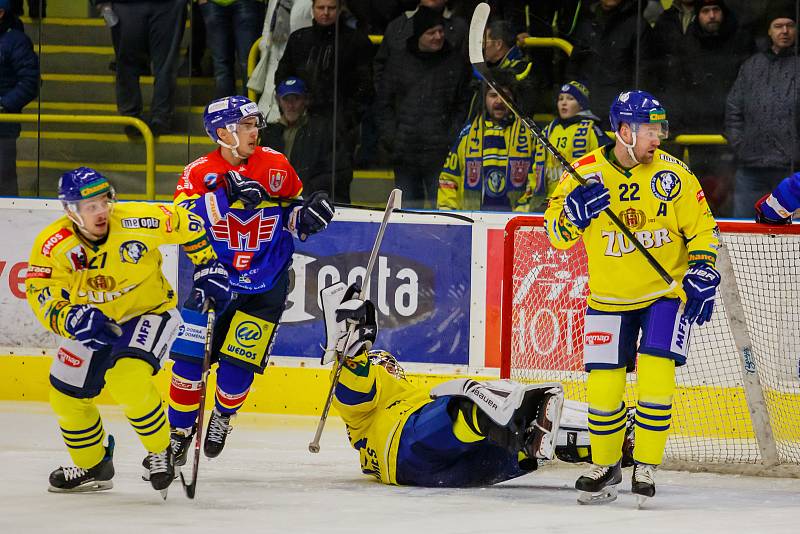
x,y
661,203
122,275
375,406
488,167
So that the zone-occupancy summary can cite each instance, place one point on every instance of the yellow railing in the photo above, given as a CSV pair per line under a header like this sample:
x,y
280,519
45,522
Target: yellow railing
x,y
150,156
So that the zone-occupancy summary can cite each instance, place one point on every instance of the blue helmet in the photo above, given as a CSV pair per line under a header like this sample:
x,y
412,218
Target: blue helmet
x,y
636,107
227,112
81,183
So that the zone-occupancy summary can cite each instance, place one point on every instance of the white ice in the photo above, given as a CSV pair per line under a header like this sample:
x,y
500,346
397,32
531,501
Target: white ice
x,y
267,481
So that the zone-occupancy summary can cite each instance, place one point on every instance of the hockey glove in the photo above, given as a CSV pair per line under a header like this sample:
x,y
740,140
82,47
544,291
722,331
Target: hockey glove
x,y
700,284
767,214
314,215
210,282
249,191
91,327
361,316
585,203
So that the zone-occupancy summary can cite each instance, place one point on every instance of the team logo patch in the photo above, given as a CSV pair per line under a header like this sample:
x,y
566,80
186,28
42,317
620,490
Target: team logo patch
x,y
276,179
68,358
38,271
244,235
248,333
54,240
496,182
132,251
519,172
77,258
102,283
665,185
700,196
473,173
211,180
633,218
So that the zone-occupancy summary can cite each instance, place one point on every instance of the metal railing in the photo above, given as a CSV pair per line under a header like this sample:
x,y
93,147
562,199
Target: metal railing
x,y
147,135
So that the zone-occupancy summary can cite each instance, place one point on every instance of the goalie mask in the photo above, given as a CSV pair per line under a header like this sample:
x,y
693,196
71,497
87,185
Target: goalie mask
x,y
388,362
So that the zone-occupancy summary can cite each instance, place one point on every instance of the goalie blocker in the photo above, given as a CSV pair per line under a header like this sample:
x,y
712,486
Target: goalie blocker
x,y
463,432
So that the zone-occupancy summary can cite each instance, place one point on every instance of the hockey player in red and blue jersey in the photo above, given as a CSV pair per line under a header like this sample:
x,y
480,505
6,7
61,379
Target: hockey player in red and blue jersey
x,y
249,197
778,206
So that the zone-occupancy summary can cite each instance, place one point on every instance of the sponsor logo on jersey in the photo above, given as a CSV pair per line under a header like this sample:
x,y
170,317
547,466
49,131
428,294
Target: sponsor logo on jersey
x,y
473,173
211,180
132,251
496,182
140,222
519,172
446,184
245,235
54,240
665,185
77,258
276,179
179,384
38,271
598,338
617,244
68,358
633,218
700,195
248,333
584,161
102,283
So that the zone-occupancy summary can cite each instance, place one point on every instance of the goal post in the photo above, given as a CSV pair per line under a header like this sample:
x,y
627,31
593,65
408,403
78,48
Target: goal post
x,y
737,401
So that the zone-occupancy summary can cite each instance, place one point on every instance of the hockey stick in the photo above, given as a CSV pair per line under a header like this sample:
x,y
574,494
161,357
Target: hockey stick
x,y
476,31
191,487
394,202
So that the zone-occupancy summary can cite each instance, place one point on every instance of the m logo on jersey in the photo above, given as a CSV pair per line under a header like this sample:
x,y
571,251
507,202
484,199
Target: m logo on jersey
x,y
245,235
276,178
665,185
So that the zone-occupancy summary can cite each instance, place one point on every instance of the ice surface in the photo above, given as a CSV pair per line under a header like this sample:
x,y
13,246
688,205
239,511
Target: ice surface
x,y
267,481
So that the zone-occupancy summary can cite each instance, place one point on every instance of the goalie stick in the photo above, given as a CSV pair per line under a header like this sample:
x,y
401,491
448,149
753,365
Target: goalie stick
x,y
476,31
393,204
191,487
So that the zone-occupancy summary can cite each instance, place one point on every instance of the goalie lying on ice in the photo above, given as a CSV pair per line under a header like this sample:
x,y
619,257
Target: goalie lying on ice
x,y
461,433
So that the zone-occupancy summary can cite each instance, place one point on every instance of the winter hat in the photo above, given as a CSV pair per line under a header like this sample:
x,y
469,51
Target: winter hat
x,y
780,10
424,19
578,91
705,3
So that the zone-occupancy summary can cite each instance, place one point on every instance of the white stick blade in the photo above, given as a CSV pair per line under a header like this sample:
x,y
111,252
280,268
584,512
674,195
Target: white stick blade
x,y
476,28
396,199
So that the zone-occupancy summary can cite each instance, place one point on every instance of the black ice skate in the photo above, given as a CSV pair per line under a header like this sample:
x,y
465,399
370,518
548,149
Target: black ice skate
x,y
599,485
76,479
219,426
162,470
179,441
540,436
643,483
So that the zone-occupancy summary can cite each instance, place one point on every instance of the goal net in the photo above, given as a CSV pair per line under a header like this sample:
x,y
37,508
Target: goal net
x,y
735,405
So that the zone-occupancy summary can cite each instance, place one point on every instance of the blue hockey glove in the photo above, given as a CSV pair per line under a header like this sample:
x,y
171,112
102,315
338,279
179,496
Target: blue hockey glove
x,y
210,282
249,191
766,214
91,327
700,284
585,203
314,215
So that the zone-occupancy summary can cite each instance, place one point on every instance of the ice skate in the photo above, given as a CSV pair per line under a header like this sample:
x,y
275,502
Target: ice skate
x,y
179,441
76,479
599,484
219,426
162,470
643,483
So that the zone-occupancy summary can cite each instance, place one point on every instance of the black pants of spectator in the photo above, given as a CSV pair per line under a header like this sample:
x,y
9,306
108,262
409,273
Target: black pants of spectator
x,y
230,33
36,8
8,167
714,167
155,28
419,181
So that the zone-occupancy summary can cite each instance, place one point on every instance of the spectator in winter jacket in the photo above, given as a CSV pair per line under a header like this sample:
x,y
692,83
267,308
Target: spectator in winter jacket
x,y
306,140
422,101
762,118
19,84
606,42
673,24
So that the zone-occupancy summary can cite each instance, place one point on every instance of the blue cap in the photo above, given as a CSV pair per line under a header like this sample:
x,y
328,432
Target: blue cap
x,y
578,91
289,86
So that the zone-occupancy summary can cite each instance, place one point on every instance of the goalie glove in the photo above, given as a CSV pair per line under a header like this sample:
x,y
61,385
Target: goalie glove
x,y
361,327
586,202
249,191
700,284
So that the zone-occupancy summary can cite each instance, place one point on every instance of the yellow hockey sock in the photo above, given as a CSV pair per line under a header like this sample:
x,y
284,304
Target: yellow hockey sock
x,y
467,431
131,385
607,414
81,428
656,381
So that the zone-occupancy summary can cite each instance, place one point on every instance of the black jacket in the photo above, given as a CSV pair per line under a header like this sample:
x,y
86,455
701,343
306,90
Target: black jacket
x,y
309,56
19,72
422,102
604,54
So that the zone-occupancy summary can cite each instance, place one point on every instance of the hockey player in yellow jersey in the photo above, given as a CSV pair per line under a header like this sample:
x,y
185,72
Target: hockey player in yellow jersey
x,y
491,162
575,133
460,433
94,279
659,199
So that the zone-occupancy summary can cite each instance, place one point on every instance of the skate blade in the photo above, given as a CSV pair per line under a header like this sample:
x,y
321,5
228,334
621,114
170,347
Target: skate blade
x,y
95,485
640,500
146,474
164,492
608,494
